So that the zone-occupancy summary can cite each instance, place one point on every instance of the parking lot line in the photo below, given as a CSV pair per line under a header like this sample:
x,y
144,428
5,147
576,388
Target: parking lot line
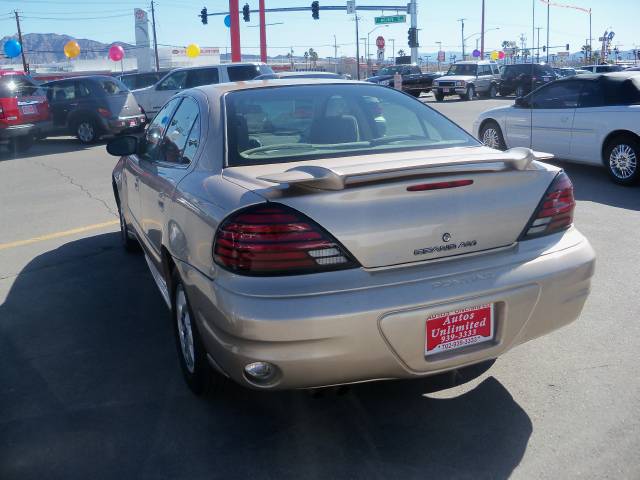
x,y
50,236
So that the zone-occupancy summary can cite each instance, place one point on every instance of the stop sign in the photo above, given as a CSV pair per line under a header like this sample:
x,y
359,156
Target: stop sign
x,y
380,42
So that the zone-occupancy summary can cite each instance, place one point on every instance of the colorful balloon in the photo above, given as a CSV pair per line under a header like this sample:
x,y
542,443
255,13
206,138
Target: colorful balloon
x,y
494,55
476,53
12,48
501,55
227,21
71,49
116,53
193,50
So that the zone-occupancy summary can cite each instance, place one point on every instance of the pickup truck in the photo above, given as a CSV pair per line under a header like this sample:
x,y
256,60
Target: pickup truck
x,y
414,81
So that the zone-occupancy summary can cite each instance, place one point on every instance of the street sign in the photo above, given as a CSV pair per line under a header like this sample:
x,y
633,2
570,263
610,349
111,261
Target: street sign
x,y
441,56
380,42
380,55
390,19
351,7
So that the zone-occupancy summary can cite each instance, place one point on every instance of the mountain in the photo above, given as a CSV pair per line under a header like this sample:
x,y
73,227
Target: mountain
x,y
49,47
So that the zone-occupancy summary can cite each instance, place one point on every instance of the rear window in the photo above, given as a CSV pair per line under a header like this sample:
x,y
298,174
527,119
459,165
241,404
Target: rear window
x,y
293,123
16,86
112,87
240,73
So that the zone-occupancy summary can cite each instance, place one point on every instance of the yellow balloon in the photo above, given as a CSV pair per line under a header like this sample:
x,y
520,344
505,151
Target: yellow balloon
x,y
495,55
193,50
72,49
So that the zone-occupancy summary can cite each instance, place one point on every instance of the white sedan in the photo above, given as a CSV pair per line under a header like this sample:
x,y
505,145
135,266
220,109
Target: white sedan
x,y
593,119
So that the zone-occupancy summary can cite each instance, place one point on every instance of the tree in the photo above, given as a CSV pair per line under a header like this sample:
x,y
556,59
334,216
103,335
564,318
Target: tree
x,y
401,53
525,54
313,56
586,50
306,59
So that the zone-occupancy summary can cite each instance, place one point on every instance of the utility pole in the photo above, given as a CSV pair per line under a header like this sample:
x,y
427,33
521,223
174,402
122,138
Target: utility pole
x,y
357,45
393,49
439,50
25,67
335,52
155,38
413,10
263,33
481,34
538,47
590,39
548,5
461,20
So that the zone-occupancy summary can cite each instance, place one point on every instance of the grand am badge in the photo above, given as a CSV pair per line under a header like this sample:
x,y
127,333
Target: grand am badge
x,y
445,247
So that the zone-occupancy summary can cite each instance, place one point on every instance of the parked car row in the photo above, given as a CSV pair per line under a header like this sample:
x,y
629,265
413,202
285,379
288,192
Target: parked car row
x,y
89,107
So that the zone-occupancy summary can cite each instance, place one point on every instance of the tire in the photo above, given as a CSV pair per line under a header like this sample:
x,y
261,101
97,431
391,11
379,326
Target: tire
x,y
505,92
520,92
191,353
471,93
127,239
439,96
21,144
493,91
621,156
414,93
86,130
491,135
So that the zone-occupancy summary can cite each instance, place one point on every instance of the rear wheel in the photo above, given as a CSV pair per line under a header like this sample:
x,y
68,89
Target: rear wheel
x,y
621,159
491,135
415,93
439,97
191,352
493,91
86,131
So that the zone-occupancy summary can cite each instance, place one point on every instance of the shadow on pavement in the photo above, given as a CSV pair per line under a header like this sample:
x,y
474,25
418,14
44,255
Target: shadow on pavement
x,y
90,388
49,146
592,184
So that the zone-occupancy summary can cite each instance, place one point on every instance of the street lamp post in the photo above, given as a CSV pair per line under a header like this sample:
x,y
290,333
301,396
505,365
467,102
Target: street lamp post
x,y
439,50
461,20
393,49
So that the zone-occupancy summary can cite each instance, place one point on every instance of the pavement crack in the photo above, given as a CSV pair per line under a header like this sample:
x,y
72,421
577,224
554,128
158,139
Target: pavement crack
x,y
73,182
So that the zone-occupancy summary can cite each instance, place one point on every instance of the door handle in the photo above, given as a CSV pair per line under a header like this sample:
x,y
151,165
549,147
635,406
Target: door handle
x,y
161,197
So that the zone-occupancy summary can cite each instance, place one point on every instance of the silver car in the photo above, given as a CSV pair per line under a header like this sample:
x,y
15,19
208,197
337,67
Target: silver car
x,y
308,233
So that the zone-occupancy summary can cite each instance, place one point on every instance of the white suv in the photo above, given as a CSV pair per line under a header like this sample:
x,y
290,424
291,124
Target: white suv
x,y
152,98
468,79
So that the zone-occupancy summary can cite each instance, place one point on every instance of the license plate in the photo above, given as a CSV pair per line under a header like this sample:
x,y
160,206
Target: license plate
x,y
28,110
445,90
458,329
132,123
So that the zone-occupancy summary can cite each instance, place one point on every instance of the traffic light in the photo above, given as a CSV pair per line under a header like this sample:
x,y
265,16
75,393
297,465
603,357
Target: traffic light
x,y
315,10
203,16
544,48
638,54
413,37
567,47
246,12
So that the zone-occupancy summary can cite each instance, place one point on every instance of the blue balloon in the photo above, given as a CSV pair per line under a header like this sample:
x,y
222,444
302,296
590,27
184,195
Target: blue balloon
x,y
12,48
227,21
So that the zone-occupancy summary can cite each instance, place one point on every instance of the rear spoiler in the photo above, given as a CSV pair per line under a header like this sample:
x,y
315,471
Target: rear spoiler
x,y
338,178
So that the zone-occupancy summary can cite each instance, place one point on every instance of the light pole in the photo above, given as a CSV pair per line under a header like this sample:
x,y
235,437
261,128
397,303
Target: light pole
x,y
393,49
364,40
439,50
367,47
461,20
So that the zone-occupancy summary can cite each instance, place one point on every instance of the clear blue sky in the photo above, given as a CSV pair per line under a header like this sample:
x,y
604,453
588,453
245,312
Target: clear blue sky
x,y
178,23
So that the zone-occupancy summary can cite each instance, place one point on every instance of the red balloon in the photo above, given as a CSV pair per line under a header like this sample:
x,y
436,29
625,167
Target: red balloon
x,y
500,55
116,53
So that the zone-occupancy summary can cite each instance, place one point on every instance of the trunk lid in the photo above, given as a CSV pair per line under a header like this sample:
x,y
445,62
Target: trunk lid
x,y
364,202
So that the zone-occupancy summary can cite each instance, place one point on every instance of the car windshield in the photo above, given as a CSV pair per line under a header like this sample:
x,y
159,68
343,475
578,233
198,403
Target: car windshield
x,y
462,69
391,70
323,121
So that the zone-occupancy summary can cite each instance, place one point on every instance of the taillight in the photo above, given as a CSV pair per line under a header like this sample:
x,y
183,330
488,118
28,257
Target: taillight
x,y
104,112
272,239
555,211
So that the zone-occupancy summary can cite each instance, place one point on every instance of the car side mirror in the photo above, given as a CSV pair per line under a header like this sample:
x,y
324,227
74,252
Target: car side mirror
x,y
123,146
522,102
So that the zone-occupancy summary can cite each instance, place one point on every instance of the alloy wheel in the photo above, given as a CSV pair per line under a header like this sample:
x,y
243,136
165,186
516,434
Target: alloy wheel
x,y
623,161
185,330
490,138
86,132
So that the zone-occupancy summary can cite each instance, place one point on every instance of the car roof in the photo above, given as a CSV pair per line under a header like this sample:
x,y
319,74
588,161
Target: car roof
x,y
479,62
201,67
608,77
82,77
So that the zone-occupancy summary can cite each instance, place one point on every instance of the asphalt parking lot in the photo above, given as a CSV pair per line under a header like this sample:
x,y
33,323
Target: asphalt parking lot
x,y
90,385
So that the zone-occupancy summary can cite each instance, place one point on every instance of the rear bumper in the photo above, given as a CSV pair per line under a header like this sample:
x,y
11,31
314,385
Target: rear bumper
x,y
14,131
125,124
354,326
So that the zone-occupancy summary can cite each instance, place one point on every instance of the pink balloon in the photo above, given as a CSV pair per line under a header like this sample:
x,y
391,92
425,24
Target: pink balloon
x,y
501,55
116,53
